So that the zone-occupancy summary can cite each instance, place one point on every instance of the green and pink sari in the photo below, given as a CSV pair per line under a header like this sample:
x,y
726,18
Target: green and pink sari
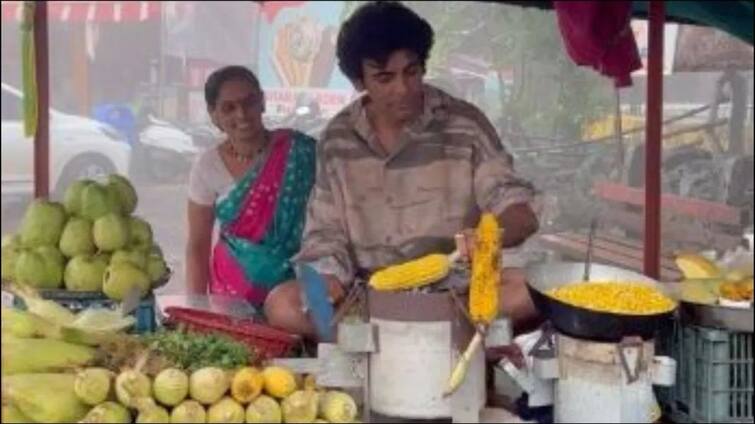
x,y
262,219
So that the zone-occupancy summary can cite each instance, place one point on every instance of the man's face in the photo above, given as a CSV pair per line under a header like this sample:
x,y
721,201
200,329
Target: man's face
x,y
395,88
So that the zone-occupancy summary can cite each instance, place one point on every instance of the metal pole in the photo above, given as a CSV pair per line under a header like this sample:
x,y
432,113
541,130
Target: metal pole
x,y
161,54
42,136
654,119
257,35
617,130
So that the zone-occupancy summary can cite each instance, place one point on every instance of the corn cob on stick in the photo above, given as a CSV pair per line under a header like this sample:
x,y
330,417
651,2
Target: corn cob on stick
x,y
460,370
483,289
415,273
483,293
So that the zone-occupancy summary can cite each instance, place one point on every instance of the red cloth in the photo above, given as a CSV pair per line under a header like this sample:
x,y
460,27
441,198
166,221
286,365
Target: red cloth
x,y
598,34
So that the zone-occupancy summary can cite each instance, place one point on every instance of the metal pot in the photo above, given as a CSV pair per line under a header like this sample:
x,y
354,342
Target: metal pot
x,y
584,323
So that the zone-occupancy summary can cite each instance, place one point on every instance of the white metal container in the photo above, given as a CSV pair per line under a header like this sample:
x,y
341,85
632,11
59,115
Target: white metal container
x,y
420,338
608,382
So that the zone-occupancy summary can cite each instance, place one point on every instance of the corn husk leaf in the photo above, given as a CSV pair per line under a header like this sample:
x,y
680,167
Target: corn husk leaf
x,y
95,326
11,414
47,398
20,323
47,309
102,319
21,355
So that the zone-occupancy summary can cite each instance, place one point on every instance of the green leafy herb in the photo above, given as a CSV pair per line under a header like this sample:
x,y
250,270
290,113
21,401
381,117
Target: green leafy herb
x,y
192,351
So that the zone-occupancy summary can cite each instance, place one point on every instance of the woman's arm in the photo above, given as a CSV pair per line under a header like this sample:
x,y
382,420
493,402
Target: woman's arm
x,y
201,219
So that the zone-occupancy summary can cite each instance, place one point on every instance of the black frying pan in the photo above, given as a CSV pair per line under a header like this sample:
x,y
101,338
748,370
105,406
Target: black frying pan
x,y
584,323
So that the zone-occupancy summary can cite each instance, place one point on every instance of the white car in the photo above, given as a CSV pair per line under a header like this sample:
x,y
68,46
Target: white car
x,y
80,147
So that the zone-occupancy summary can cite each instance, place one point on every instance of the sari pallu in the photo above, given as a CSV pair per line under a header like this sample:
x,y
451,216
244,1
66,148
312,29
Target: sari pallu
x,y
262,219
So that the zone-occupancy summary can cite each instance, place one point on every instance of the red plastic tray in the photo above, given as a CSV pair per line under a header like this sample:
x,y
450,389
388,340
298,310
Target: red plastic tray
x,y
266,341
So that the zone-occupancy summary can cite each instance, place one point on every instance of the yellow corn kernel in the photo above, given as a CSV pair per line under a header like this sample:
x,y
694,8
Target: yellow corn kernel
x,y
628,298
416,273
486,275
247,384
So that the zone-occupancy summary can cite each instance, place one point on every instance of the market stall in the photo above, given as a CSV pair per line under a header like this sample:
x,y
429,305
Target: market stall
x,y
84,336
66,359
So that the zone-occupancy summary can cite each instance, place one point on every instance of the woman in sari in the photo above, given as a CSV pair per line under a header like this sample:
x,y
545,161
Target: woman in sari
x,y
255,183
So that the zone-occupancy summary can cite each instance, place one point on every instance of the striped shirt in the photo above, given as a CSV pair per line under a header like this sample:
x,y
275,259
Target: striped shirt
x,y
369,209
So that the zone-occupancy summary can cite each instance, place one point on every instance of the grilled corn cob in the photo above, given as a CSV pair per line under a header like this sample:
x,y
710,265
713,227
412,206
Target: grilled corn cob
x,y
696,266
483,292
416,273
486,275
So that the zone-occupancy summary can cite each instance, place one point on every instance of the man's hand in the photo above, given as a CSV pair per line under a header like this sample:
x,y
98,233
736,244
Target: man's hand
x,y
511,352
517,221
336,291
465,243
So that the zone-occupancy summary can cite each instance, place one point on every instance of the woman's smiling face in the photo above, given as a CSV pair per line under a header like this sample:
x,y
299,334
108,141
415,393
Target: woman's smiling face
x,y
239,108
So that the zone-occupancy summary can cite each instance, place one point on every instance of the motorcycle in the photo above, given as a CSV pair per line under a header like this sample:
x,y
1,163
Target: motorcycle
x,y
204,135
308,121
167,152
161,151
306,117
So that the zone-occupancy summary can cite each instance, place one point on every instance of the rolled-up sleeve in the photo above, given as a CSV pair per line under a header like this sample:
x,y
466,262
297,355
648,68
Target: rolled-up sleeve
x,y
497,186
325,244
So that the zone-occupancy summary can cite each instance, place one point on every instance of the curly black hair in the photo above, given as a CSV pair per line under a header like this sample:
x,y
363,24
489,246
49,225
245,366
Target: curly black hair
x,y
377,29
220,76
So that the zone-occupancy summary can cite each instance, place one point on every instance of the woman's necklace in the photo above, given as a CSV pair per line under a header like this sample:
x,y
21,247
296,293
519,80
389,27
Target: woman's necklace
x,y
245,158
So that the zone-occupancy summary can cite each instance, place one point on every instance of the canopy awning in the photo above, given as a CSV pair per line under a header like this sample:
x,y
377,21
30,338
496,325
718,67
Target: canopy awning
x,y
89,11
733,17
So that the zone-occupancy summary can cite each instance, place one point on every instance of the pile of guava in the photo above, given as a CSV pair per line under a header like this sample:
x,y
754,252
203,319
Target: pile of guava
x,y
91,241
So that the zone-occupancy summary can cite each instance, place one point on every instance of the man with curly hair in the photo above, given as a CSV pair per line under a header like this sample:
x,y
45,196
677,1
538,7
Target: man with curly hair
x,y
402,169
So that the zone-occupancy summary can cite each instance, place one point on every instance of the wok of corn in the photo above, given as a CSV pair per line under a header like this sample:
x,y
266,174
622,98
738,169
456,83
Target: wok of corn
x,y
629,298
